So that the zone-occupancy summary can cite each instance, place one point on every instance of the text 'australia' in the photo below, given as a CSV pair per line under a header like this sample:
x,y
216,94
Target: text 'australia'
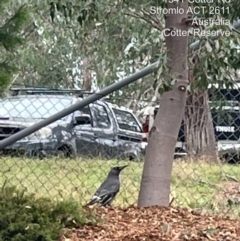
x,y
211,21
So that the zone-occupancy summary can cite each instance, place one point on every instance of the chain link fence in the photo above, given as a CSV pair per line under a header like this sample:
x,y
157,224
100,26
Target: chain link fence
x,y
71,157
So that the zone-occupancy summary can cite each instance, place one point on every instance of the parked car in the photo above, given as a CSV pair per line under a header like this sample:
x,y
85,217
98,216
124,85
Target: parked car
x,y
99,129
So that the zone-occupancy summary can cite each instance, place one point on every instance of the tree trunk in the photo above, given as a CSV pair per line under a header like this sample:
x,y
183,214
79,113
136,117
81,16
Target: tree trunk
x,y
86,74
199,128
156,178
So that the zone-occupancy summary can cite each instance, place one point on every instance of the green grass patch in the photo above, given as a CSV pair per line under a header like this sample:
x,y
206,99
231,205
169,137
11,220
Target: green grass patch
x,y
194,184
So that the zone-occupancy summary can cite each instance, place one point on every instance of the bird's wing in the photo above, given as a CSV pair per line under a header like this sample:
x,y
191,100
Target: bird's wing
x,y
107,200
108,187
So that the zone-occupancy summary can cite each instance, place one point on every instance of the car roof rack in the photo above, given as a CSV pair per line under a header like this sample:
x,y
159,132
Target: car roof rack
x,y
49,91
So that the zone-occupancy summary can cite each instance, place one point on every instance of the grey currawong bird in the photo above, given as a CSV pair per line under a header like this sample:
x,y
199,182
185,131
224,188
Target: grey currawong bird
x,y
108,189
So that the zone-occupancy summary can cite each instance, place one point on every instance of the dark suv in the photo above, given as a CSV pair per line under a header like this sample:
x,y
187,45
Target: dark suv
x,y
100,129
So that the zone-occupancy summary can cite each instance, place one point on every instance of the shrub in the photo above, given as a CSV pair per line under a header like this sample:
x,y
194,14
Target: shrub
x,y
25,217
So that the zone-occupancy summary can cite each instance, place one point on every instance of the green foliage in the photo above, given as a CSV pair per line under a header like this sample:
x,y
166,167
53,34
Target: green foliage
x,y
100,31
11,38
218,64
101,39
5,73
25,217
217,60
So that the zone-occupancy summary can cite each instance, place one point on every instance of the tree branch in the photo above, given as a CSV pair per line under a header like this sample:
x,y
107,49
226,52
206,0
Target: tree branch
x,y
150,21
149,16
146,91
12,82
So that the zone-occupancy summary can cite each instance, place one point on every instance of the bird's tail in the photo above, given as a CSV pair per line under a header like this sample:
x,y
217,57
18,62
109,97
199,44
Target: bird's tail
x,y
93,200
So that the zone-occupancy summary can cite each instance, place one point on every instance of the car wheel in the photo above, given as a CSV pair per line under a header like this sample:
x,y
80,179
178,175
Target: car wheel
x,y
65,152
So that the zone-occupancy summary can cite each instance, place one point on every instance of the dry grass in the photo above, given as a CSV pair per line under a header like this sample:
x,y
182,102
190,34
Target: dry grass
x,y
194,184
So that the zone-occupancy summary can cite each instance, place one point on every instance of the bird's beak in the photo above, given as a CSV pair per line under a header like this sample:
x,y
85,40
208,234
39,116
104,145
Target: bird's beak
x,y
123,167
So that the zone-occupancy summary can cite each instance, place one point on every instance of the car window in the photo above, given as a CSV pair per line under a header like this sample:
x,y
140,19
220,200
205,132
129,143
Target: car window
x,y
85,110
32,108
101,118
126,121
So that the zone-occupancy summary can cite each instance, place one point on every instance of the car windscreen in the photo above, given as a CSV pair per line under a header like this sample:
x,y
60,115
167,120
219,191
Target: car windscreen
x,y
126,121
32,108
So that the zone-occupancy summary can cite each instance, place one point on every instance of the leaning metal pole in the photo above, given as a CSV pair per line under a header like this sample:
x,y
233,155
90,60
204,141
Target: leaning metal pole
x,y
80,104
104,92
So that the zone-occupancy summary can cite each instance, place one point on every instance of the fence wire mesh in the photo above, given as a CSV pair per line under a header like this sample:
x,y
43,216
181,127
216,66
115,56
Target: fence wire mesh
x,y
71,157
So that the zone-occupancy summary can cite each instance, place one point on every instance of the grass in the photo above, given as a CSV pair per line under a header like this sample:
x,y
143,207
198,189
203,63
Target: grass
x,y
194,184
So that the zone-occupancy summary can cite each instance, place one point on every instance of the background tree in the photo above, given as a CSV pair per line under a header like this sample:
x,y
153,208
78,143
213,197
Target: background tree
x,y
12,35
216,61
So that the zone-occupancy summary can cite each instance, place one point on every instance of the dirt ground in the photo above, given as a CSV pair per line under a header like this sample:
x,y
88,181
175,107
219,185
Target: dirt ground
x,y
156,224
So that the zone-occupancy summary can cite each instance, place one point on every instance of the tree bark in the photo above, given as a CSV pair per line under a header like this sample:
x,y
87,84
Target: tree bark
x,y
156,178
199,128
86,74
